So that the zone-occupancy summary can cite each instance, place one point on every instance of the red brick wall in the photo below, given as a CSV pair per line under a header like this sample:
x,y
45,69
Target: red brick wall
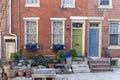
x,y
110,13
48,9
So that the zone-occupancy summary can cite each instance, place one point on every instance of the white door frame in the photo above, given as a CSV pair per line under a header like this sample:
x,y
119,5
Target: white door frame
x,y
83,34
100,37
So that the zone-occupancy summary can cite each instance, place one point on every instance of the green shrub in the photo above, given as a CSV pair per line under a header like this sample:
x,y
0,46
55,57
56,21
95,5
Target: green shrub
x,y
15,56
60,54
73,52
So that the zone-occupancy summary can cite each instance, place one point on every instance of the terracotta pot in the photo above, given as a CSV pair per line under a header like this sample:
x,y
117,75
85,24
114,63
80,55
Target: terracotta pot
x,y
51,65
28,73
20,73
10,73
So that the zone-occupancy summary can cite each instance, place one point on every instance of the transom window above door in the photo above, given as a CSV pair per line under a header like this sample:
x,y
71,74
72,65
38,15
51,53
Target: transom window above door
x,y
77,25
67,3
105,4
32,3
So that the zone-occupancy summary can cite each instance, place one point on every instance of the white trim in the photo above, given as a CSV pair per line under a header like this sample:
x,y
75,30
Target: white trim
x,y
113,19
58,19
28,5
78,17
10,23
31,18
10,37
86,18
95,18
113,47
83,35
100,37
63,21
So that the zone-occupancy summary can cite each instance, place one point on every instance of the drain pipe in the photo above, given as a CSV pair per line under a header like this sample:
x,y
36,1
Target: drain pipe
x,y
9,23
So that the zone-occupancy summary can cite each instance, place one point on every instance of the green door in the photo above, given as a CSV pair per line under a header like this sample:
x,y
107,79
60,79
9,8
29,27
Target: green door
x,y
77,40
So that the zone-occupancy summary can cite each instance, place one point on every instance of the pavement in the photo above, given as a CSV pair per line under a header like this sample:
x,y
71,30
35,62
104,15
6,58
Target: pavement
x,y
89,76
109,75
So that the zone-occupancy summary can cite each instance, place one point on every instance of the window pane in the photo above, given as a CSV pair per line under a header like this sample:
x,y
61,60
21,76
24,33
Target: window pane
x,y
114,27
58,32
32,1
31,32
113,39
104,2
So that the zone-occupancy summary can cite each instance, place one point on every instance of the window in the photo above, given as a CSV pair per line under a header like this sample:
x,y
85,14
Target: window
x,y
105,3
57,33
31,30
68,3
32,3
114,33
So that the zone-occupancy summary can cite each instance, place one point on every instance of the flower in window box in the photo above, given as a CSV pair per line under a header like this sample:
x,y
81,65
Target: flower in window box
x,y
31,46
58,47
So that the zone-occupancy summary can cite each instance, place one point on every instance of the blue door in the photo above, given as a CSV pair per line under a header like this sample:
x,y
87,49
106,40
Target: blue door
x,y
93,42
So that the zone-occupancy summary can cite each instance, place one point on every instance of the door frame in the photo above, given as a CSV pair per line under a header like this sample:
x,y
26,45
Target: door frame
x,y
100,37
83,34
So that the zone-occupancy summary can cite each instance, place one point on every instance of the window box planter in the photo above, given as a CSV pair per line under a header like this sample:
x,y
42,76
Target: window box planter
x,y
58,47
31,47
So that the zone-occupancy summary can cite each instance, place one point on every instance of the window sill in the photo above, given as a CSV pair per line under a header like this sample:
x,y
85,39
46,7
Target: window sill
x,y
105,7
113,47
37,5
68,6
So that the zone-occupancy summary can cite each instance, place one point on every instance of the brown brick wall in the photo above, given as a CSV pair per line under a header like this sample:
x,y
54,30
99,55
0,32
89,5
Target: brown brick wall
x,y
48,9
112,13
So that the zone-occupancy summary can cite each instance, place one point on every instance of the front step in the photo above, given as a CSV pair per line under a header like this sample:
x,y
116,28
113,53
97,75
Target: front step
x,y
102,64
80,65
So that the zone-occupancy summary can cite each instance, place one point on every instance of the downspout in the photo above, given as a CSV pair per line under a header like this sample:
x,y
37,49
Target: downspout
x,y
19,36
9,22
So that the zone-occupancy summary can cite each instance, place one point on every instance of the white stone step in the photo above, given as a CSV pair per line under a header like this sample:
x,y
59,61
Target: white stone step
x,y
81,70
80,66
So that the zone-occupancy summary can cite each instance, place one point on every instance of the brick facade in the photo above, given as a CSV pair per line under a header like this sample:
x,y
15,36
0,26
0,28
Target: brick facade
x,y
52,9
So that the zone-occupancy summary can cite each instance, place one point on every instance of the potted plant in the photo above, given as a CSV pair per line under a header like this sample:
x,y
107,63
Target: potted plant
x,y
60,55
50,63
73,52
15,56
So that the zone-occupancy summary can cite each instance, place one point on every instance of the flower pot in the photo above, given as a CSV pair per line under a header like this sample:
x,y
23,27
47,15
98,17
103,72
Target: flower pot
x,y
10,73
50,65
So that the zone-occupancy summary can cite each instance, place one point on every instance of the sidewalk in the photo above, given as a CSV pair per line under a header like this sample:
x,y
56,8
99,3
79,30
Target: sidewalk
x,y
89,76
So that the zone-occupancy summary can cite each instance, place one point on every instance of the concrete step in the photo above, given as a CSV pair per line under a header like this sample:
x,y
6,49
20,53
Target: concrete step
x,y
100,64
81,70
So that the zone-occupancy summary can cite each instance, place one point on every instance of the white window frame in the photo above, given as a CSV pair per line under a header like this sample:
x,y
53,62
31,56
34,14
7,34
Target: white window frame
x,y
32,5
30,19
105,6
63,21
67,5
114,46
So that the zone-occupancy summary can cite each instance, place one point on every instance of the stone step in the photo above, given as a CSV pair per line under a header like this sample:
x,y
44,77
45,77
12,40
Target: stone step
x,y
80,66
79,62
100,64
101,69
81,70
